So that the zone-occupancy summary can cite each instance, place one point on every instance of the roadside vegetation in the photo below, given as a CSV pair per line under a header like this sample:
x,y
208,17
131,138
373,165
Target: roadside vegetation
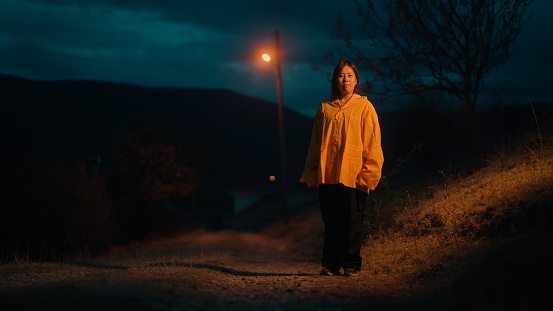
x,y
55,208
464,224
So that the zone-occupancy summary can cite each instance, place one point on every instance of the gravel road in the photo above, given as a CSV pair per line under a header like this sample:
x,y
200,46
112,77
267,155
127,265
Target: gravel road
x,y
201,270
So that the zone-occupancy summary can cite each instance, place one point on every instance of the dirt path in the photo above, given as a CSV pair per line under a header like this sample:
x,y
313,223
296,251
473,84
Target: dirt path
x,y
198,271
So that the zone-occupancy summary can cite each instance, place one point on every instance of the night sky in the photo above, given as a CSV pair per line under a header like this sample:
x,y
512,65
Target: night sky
x,y
217,44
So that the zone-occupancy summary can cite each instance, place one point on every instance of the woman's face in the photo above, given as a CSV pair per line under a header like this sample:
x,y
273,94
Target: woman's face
x,y
347,81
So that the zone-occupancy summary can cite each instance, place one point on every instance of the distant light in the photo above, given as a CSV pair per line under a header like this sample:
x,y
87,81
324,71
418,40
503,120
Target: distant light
x,y
266,57
271,178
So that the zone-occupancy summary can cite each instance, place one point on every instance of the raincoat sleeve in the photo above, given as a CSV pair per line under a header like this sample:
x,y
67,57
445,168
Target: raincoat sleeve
x,y
312,162
373,157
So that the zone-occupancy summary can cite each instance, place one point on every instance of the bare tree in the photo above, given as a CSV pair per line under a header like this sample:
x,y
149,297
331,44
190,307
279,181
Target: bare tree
x,y
425,46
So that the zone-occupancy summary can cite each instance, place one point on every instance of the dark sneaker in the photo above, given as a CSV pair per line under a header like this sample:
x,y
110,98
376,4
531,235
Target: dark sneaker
x,y
329,272
351,272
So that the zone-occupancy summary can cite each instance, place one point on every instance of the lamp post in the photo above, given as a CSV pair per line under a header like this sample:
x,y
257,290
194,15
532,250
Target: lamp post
x,y
284,191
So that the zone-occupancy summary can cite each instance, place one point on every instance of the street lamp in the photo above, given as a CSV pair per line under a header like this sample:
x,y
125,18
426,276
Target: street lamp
x,y
284,191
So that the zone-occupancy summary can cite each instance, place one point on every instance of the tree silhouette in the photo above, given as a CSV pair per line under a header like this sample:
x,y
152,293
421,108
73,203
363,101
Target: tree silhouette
x,y
153,167
427,46
163,166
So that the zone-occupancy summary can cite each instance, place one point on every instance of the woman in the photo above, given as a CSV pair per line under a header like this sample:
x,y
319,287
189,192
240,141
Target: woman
x,y
345,162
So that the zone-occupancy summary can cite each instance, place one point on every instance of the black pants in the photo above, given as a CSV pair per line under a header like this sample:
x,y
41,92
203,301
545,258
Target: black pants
x,y
342,209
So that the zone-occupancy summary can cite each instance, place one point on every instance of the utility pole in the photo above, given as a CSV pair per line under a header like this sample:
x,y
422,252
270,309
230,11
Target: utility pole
x,y
284,191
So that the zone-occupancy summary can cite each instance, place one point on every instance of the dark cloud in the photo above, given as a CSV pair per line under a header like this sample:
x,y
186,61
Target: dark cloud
x,y
209,44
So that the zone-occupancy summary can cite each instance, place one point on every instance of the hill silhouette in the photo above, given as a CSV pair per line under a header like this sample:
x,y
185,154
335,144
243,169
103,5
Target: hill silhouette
x,y
238,134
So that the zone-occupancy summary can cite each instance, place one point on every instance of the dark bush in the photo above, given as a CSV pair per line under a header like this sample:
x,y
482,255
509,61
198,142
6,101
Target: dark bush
x,y
51,209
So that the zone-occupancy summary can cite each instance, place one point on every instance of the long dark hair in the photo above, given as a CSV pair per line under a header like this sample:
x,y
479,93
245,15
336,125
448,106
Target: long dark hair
x,y
335,92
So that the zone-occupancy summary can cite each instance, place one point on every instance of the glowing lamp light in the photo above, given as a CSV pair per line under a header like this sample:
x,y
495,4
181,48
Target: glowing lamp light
x,y
266,57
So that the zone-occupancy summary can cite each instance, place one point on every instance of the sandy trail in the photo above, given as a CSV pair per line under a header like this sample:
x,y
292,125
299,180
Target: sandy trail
x,y
200,270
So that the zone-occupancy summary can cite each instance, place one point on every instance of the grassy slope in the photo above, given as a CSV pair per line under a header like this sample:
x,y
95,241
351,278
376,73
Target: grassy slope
x,y
486,236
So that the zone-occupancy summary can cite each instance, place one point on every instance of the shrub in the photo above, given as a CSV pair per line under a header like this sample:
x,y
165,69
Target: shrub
x,y
50,209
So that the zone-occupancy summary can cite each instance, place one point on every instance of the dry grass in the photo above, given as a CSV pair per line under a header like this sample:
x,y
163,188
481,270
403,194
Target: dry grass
x,y
443,234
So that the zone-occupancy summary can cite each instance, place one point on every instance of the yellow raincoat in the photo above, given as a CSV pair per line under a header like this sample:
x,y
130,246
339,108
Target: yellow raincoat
x,y
345,146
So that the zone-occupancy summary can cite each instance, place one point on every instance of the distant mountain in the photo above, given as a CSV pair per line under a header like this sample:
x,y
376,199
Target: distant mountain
x,y
239,134
79,118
